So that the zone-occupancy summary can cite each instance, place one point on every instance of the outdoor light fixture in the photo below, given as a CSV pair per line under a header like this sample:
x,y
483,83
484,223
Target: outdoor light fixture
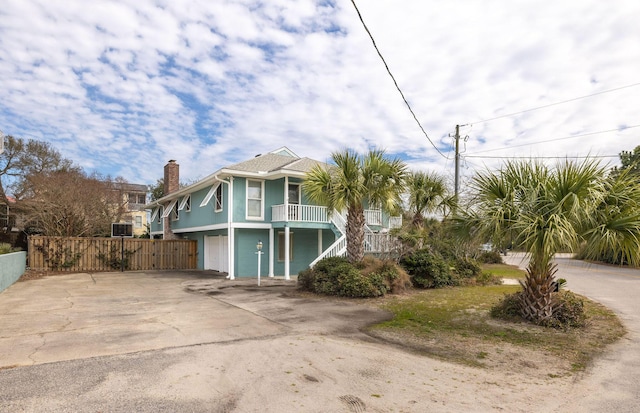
x,y
259,253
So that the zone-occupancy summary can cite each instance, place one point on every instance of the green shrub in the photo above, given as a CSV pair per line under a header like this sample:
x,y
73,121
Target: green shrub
x,y
427,270
329,277
306,278
394,277
337,276
5,248
357,285
508,308
568,311
490,257
488,278
466,268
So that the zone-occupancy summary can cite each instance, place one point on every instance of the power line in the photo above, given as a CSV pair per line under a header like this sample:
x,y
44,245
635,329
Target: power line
x,y
559,139
394,80
543,157
556,103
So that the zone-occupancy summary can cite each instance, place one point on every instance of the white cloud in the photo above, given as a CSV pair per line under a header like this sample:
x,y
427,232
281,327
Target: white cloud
x,y
209,83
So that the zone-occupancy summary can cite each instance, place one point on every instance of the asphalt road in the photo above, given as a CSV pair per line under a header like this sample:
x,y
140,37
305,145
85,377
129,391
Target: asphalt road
x,y
612,384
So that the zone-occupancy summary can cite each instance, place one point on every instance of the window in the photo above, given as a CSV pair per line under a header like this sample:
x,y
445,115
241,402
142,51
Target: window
x,y
160,213
137,222
294,194
4,216
137,198
185,203
175,214
281,246
218,204
254,199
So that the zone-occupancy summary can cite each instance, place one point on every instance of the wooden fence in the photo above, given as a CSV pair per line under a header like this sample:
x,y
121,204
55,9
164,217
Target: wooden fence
x,y
110,254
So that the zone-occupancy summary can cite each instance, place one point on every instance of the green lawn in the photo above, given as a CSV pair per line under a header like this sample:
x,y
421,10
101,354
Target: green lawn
x,y
504,271
454,324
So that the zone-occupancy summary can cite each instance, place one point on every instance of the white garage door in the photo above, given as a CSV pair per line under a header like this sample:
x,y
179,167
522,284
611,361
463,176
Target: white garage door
x,y
216,253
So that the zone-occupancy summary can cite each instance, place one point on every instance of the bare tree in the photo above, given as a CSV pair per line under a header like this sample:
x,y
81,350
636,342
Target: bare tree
x,y
22,158
68,202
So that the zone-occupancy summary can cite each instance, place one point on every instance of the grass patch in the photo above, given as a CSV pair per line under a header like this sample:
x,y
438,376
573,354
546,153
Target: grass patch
x,y
504,271
454,324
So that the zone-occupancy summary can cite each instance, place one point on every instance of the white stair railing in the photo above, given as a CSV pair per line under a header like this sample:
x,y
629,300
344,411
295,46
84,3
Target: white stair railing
x,y
337,249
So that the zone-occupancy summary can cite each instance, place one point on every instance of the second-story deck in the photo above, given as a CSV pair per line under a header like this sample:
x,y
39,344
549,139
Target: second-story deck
x,y
320,214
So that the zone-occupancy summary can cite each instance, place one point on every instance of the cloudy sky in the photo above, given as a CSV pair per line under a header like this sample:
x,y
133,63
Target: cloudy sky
x,y
120,87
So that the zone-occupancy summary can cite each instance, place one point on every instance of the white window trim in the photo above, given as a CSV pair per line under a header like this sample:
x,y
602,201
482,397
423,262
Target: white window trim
x,y
169,208
209,195
183,203
254,218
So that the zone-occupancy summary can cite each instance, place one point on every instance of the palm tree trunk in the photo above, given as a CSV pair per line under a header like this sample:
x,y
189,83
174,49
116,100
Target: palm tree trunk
x,y
537,304
355,233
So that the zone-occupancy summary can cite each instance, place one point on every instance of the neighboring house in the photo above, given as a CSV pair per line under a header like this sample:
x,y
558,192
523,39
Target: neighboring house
x,y
9,231
7,220
259,200
134,197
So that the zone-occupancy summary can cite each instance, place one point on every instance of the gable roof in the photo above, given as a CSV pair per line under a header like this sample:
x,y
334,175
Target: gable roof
x,y
263,163
273,165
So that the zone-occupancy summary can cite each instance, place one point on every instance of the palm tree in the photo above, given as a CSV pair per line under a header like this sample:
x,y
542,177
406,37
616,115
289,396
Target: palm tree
x,y
353,183
427,194
548,210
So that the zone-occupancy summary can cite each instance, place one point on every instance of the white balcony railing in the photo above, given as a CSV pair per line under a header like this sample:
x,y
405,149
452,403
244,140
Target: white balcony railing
x,y
373,216
395,222
380,243
299,213
313,213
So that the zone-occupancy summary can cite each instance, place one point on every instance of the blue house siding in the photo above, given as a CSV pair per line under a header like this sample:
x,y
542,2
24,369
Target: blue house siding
x,y
245,252
305,248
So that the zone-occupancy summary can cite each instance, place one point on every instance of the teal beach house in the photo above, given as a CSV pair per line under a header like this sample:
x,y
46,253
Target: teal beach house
x,y
258,201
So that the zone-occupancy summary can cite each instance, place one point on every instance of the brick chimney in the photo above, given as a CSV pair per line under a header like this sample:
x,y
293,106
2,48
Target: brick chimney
x,y
171,184
171,177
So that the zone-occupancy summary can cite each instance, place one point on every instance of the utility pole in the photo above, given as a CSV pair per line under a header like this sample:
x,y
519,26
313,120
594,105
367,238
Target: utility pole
x,y
457,160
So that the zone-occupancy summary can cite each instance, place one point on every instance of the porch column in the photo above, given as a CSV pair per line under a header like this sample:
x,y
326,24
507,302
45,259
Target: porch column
x,y
271,245
286,199
286,252
231,230
319,242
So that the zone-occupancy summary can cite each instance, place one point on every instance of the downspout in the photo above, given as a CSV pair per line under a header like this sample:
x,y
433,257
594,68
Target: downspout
x,y
230,237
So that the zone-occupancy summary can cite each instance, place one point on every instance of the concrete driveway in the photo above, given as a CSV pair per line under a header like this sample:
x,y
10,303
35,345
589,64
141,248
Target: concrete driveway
x,y
194,342
82,315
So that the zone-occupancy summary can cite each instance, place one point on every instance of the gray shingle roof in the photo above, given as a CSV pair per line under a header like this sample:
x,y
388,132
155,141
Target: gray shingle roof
x,y
271,162
263,163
